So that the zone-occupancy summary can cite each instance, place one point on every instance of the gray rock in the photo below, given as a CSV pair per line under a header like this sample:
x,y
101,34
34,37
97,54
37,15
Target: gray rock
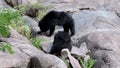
x,y
99,20
32,24
106,59
103,40
91,21
17,60
47,61
76,5
100,30
73,61
3,4
80,51
46,46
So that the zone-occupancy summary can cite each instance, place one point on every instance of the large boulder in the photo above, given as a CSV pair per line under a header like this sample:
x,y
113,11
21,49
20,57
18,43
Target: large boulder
x,y
104,48
91,21
47,61
18,60
86,21
75,5
100,30
72,6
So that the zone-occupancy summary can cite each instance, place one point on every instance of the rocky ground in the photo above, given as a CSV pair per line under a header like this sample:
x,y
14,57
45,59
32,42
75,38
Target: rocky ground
x,y
97,25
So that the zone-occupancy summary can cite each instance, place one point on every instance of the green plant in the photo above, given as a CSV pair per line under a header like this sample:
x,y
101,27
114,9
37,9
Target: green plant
x,y
6,48
25,30
87,63
6,18
36,42
21,28
17,25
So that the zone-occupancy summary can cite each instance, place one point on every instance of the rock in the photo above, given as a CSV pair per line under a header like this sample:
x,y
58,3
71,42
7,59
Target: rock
x,y
102,40
76,5
3,4
51,61
32,24
63,5
46,46
100,30
16,36
79,52
113,6
104,47
106,59
73,61
18,60
99,20
91,21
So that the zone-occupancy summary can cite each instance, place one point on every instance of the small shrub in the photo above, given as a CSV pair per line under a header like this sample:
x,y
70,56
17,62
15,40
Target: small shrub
x,y
6,18
36,42
87,63
25,30
6,48
21,28
17,25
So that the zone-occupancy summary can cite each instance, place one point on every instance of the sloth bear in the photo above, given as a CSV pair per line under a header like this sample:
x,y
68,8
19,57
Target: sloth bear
x,y
53,18
61,40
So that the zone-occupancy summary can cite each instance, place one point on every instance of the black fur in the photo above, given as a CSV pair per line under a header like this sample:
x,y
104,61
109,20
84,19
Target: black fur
x,y
54,18
61,40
